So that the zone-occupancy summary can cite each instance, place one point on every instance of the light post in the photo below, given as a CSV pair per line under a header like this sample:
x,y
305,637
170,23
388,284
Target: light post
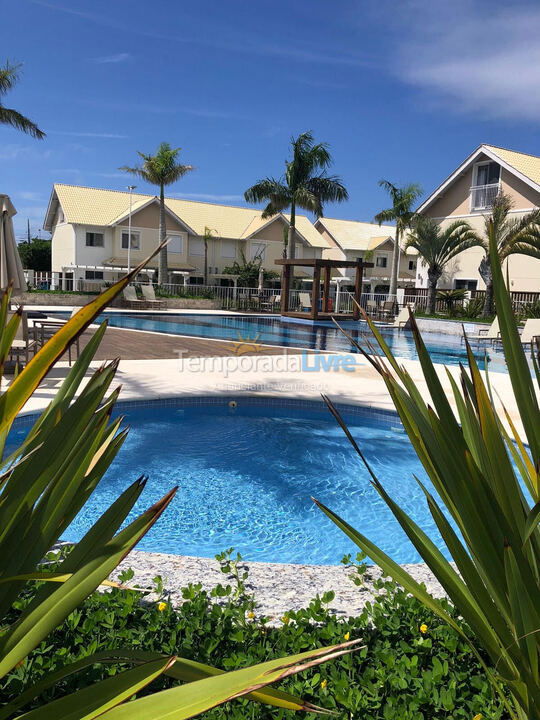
x,y
131,188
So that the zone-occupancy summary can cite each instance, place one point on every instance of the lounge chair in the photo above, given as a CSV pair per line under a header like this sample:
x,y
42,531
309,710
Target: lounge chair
x,y
372,308
272,303
131,299
400,321
305,300
489,334
23,343
531,331
388,308
150,297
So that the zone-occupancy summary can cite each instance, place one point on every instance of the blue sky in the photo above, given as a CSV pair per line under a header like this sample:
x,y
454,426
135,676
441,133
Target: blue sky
x,y
401,89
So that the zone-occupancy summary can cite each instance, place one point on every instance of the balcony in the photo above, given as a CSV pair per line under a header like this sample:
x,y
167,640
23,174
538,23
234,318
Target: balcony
x,y
483,196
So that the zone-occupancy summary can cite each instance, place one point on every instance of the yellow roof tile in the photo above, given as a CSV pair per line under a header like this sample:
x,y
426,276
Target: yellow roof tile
x,y
528,165
95,206
354,235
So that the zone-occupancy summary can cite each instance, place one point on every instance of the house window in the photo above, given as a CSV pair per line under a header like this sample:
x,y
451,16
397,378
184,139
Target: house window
x,y
196,246
93,275
197,280
135,240
485,187
228,248
258,250
176,244
465,284
381,261
488,173
94,239
412,264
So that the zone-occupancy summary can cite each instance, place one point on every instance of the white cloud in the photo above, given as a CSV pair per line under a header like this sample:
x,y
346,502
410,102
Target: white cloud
x,y
16,151
472,56
107,59
30,196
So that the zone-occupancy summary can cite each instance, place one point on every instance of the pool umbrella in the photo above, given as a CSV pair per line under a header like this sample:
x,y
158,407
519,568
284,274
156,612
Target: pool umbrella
x,y
11,269
261,279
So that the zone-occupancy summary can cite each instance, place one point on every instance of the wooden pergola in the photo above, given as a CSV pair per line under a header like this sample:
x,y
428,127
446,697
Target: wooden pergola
x,y
324,267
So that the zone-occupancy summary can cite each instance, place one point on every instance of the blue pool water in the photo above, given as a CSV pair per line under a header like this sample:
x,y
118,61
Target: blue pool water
x,y
246,475
323,336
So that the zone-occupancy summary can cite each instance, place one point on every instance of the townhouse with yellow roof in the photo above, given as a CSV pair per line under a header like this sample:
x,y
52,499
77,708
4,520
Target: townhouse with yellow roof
x,y
468,194
90,231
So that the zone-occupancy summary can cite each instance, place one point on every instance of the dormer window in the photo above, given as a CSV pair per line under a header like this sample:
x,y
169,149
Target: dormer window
x,y
485,188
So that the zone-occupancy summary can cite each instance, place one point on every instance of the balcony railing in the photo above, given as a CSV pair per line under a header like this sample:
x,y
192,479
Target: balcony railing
x,y
483,196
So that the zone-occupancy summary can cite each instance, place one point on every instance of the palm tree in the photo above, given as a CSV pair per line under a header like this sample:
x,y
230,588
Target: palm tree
x,y
437,247
305,184
521,235
402,213
160,169
208,235
9,76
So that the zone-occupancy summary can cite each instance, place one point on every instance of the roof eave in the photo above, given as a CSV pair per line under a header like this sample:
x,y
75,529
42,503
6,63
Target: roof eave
x,y
51,208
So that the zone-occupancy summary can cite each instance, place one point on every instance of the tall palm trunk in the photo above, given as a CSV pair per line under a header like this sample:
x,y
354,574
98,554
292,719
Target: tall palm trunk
x,y
433,279
485,273
291,248
395,265
163,267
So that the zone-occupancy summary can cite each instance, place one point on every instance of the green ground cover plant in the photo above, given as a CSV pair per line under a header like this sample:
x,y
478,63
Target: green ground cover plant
x,y
413,666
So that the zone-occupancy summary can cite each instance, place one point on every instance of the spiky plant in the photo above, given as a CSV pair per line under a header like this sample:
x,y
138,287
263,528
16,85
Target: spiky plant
x,y
486,473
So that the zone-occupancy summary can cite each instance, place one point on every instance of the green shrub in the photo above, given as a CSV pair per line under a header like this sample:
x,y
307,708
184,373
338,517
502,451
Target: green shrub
x,y
402,673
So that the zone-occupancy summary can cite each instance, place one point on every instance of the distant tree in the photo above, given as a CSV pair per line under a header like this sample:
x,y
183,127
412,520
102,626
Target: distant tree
x,y
248,271
519,236
161,169
437,247
402,213
207,236
305,184
36,254
9,75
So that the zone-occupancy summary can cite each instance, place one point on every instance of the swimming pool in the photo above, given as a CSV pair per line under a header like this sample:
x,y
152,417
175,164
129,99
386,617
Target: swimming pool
x,y
323,336
246,474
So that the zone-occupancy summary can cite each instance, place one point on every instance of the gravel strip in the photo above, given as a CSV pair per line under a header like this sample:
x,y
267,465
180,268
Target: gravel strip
x,y
277,587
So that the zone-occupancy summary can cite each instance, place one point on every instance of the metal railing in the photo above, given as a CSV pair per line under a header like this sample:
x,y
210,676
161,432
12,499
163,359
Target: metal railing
x,y
483,196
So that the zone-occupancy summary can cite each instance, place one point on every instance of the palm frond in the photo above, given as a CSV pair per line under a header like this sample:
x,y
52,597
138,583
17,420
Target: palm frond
x,y
20,122
307,200
385,216
9,76
137,171
162,168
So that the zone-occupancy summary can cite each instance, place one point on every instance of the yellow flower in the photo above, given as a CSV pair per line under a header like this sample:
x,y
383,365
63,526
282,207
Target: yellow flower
x,y
347,635
162,606
479,716
251,615
285,620
324,683
423,628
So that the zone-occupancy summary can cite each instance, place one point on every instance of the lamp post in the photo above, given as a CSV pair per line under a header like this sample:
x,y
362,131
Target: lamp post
x,y
131,188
